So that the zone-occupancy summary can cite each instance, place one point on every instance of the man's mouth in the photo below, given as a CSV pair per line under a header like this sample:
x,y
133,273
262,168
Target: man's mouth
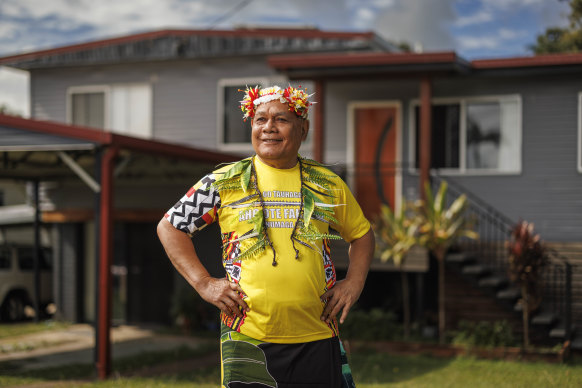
x,y
271,140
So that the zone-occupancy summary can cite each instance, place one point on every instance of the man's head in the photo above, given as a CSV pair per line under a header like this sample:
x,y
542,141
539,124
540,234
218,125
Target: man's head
x,y
279,123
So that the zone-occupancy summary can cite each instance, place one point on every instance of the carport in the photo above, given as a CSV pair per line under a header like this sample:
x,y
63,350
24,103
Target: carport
x,y
37,151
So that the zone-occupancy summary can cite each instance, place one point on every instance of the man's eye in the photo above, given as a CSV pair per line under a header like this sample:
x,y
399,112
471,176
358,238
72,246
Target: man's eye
x,y
261,119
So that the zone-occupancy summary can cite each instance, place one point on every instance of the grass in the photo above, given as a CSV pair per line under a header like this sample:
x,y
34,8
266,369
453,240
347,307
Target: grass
x,y
18,329
370,369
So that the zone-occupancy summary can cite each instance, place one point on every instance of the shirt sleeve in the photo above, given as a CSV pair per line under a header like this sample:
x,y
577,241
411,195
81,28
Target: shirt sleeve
x,y
352,224
197,209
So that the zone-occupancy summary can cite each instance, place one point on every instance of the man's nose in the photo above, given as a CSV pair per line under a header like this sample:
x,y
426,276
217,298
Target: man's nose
x,y
269,126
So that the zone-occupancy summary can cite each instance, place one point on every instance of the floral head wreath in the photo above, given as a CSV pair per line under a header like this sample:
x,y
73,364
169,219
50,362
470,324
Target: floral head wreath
x,y
297,99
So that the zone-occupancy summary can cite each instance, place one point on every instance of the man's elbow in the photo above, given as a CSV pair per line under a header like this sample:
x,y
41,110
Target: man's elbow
x,y
162,228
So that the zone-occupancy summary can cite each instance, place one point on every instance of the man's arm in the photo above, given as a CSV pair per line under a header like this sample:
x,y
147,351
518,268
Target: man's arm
x,y
220,292
346,292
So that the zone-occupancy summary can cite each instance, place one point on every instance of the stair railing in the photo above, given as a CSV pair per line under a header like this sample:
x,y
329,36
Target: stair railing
x,y
490,250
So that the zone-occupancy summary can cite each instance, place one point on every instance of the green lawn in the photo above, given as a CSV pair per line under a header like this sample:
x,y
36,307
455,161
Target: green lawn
x,y
371,369
13,330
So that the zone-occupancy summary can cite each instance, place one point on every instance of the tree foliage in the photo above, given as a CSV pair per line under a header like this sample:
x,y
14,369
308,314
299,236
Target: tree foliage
x,y
562,40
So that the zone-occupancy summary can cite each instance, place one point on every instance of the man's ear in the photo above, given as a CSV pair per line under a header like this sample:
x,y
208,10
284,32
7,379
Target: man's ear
x,y
304,129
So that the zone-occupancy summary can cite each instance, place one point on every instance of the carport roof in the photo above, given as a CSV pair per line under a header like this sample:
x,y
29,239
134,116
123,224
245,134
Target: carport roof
x,y
19,134
43,150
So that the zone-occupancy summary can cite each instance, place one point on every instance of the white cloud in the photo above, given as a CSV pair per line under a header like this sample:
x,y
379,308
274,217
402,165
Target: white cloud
x,y
482,16
475,42
419,21
364,18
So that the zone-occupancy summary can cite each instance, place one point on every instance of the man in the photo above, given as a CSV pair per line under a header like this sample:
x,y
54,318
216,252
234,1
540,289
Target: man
x,y
280,298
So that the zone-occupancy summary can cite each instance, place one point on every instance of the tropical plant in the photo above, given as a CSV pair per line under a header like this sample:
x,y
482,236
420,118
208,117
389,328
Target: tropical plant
x,y
396,235
440,227
527,257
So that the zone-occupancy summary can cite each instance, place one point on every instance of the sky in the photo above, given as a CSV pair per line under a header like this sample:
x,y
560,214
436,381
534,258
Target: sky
x,y
473,28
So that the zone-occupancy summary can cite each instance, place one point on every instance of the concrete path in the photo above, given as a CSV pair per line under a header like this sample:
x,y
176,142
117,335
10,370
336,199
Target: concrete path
x,y
75,345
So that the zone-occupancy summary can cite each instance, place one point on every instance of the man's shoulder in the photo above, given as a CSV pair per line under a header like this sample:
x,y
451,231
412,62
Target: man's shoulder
x,y
231,169
321,169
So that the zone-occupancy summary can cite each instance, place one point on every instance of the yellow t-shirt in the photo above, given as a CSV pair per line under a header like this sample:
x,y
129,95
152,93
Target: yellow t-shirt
x,y
284,300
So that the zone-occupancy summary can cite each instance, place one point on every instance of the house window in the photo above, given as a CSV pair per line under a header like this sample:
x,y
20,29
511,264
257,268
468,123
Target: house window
x,y
122,108
233,132
474,135
88,109
235,129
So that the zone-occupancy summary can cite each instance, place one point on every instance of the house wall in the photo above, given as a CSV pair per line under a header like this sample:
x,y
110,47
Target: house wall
x,y
546,191
184,93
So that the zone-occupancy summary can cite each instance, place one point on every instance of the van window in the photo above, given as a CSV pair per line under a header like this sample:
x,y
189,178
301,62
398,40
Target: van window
x,y
5,258
26,258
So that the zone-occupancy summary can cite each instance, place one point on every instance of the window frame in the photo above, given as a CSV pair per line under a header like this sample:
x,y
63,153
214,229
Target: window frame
x,y
463,101
108,90
579,145
85,89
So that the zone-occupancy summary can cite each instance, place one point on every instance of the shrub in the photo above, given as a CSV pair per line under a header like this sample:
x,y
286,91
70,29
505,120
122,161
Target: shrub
x,y
376,324
484,334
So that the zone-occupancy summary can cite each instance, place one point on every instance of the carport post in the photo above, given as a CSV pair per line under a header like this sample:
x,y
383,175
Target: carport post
x,y
105,259
36,251
425,132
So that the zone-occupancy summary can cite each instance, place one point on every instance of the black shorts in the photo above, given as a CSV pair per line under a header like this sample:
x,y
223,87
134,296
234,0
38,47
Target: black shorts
x,y
250,363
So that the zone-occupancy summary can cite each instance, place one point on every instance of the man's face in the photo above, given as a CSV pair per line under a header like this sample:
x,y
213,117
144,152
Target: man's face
x,y
277,134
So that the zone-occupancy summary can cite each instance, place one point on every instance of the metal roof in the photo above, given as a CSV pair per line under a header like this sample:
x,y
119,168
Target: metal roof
x,y
300,66
366,64
198,44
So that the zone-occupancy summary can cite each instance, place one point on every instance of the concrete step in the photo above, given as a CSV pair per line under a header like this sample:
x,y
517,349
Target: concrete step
x,y
544,319
493,281
475,270
511,293
559,331
460,258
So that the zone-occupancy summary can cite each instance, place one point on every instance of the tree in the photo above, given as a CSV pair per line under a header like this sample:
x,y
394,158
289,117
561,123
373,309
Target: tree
x,y
441,227
7,110
396,235
527,258
560,40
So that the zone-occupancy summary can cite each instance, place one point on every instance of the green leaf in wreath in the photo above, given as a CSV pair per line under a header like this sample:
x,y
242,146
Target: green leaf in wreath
x,y
246,177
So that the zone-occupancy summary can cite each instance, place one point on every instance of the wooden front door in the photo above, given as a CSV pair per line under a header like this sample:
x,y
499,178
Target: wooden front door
x,y
375,157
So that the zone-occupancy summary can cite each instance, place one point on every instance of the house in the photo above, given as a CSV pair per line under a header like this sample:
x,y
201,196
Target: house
x,y
506,131
173,86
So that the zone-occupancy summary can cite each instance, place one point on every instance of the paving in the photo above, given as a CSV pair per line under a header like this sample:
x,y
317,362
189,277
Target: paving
x,y
75,345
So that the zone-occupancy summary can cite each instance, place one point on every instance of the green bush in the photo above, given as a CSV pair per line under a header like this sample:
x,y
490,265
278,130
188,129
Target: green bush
x,y
484,334
376,324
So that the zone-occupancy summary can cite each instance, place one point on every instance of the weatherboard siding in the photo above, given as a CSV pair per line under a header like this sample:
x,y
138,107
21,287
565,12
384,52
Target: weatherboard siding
x,y
547,191
184,106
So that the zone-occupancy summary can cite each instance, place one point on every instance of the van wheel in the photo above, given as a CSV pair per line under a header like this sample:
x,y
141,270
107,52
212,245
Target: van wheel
x,y
13,308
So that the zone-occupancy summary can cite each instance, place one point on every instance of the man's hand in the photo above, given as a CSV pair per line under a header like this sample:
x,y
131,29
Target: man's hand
x,y
346,292
223,294
340,298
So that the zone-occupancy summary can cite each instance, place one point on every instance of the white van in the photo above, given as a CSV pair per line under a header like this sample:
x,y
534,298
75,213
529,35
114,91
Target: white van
x,y
17,281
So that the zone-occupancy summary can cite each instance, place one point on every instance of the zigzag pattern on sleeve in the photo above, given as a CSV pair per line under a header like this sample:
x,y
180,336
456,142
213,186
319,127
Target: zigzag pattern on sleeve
x,y
191,212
